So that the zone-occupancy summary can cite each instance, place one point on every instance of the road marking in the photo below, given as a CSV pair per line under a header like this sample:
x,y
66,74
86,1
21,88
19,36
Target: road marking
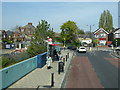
x,y
112,55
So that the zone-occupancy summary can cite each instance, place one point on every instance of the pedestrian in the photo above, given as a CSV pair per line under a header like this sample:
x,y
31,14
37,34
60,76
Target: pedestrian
x,y
55,54
49,60
60,56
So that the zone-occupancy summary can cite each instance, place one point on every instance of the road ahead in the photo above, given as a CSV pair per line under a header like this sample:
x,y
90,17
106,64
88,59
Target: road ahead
x,y
96,69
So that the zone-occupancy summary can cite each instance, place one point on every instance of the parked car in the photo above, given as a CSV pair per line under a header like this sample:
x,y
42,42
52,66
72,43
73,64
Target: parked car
x,y
84,44
110,45
72,47
82,49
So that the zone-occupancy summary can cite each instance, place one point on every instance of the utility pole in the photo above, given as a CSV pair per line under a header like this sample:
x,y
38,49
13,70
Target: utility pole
x,y
90,32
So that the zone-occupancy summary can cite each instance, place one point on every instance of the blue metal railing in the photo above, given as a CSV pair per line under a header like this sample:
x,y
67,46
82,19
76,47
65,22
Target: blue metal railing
x,y
15,72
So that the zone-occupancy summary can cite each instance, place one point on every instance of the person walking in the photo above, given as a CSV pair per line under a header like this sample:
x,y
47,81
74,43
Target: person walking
x,y
49,60
55,54
60,56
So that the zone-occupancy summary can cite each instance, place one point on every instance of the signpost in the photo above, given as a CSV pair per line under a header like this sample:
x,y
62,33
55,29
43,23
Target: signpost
x,y
48,43
116,42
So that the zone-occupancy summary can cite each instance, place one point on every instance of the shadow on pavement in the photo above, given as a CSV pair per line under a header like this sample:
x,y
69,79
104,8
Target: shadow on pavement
x,y
47,86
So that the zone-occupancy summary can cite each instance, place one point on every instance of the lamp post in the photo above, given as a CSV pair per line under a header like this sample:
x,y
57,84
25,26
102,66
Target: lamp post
x,y
64,43
90,29
47,45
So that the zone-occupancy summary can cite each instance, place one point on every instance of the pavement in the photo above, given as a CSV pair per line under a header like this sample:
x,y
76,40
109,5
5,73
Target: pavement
x,y
41,77
99,48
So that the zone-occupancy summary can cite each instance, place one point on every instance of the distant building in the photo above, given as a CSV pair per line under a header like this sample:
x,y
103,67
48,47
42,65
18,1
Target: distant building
x,y
23,35
56,35
116,33
119,14
27,29
83,38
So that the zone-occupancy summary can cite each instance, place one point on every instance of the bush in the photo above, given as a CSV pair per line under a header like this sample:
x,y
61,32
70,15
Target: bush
x,y
6,61
12,59
35,50
20,56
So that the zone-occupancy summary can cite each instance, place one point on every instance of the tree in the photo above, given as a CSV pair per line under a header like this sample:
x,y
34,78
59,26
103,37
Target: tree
x,y
106,21
80,31
38,44
69,31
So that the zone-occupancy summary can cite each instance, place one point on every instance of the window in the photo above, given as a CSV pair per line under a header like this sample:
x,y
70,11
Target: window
x,y
96,36
102,35
117,35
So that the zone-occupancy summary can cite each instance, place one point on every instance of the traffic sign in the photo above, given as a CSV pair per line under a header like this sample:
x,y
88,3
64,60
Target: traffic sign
x,y
50,39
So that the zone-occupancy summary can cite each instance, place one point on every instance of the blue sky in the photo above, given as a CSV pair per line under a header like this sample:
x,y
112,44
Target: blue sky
x,y
56,13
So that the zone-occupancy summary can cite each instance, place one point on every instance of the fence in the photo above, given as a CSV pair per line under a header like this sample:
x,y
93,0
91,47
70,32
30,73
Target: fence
x,y
13,73
41,60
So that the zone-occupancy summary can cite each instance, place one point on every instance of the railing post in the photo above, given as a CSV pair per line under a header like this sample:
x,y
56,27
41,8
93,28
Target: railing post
x,y
66,58
52,79
68,55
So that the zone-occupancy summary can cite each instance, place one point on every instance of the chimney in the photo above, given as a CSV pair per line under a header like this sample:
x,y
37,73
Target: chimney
x,y
29,23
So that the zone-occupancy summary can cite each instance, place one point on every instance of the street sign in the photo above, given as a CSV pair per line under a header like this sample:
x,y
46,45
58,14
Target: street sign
x,y
50,39
50,43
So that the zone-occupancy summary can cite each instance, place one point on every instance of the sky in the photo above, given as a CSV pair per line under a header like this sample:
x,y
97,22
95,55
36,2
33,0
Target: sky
x,y
56,13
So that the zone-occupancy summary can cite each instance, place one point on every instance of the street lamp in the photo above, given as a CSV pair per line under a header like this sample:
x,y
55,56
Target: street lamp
x,y
90,29
64,42
47,45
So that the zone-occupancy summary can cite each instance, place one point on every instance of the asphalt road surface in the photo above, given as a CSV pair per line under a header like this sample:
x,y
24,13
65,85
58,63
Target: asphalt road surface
x,y
96,69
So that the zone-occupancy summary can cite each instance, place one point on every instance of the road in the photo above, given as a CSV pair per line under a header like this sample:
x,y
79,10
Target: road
x,y
97,69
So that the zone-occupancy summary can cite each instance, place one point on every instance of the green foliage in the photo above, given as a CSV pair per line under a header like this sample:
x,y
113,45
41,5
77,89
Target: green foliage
x,y
114,42
80,31
12,59
69,32
38,44
6,61
95,41
106,21
77,43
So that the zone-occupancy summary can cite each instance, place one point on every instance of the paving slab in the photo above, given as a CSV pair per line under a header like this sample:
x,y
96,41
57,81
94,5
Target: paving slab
x,y
41,77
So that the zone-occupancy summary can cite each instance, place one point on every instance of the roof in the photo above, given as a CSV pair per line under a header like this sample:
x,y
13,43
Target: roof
x,y
115,30
29,26
83,36
102,30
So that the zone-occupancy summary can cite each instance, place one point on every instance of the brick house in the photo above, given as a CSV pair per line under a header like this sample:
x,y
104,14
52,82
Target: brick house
x,y
27,31
101,36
